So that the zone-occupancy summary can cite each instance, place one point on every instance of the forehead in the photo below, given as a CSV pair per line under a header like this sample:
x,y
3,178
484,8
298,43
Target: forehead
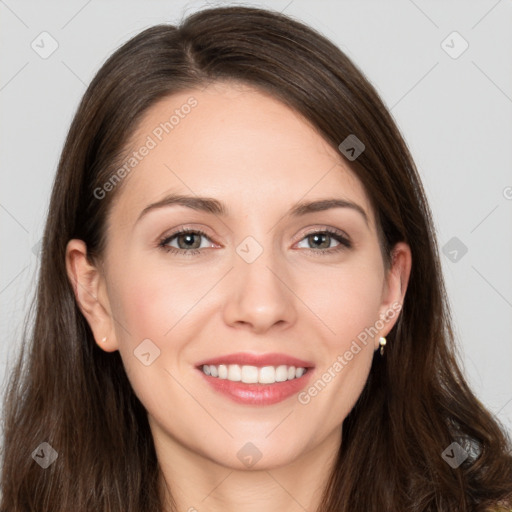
x,y
235,143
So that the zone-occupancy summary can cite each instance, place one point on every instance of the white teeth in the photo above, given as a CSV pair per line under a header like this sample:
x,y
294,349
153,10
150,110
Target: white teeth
x,y
267,375
253,374
281,373
223,371
249,374
234,373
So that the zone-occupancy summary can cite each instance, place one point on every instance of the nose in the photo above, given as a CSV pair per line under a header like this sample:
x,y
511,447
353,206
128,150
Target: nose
x,y
259,295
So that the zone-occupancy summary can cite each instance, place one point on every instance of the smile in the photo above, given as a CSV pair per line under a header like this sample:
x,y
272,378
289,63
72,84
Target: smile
x,y
252,374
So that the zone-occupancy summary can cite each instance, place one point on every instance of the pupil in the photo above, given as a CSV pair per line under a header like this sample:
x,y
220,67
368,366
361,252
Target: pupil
x,y
188,237
317,236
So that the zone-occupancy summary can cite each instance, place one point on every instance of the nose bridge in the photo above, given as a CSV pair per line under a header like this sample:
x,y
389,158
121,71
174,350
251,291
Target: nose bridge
x,y
256,259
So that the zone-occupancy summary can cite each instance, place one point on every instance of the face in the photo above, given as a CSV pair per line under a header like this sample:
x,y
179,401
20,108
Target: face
x,y
251,274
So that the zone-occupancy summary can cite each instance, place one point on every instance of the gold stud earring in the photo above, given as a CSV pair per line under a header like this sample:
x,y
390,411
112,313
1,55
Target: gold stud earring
x,y
382,343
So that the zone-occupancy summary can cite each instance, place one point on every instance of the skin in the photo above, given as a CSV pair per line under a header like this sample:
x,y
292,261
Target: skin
x,y
248,150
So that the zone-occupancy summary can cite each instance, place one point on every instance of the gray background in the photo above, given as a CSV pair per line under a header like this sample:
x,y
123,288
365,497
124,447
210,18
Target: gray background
x,y
455,114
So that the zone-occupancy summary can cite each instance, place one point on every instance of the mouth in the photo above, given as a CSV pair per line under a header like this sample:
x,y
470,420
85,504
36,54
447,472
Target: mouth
x,y
256,379
249,374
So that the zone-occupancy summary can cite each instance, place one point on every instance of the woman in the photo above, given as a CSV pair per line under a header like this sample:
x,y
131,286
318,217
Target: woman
x,y
193,349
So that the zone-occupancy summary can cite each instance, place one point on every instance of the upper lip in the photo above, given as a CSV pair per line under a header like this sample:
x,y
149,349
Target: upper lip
x,y
251,359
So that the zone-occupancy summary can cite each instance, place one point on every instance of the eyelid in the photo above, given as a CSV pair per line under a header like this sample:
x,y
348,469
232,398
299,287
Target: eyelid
x,y
186,228
321,229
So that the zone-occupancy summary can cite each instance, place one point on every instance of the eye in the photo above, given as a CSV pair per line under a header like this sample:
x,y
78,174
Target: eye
x,y
324,238
187,240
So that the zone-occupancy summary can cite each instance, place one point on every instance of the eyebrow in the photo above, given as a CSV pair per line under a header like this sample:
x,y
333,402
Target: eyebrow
x,y
215,207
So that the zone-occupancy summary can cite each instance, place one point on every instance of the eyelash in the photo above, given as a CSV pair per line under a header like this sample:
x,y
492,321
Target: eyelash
x,y
344,242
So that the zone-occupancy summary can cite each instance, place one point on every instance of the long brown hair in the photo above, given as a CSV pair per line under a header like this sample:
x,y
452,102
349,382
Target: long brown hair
x,y
67,392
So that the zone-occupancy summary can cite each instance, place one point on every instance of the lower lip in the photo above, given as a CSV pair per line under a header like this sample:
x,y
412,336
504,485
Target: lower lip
x,y
258,394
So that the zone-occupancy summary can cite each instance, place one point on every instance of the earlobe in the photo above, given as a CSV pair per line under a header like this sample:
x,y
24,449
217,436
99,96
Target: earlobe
x,y
88,285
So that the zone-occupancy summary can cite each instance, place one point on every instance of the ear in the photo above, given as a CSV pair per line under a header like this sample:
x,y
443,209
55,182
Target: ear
x,y
395,286
88,283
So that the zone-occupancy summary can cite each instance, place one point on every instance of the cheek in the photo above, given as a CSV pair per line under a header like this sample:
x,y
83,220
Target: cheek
x,y
347,351
152,300
346,300
149,304
156,302
349,305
